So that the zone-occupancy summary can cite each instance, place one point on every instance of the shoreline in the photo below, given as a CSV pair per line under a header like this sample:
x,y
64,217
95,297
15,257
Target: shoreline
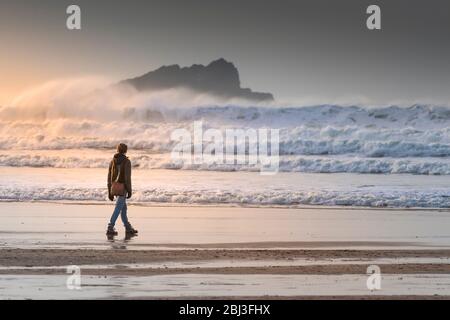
x,y
227,205
195,188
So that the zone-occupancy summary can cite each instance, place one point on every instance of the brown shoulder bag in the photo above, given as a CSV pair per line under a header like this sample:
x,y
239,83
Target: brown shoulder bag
x,y
118,188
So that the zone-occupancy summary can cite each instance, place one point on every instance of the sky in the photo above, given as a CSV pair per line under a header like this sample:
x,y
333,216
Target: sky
x,y
315,50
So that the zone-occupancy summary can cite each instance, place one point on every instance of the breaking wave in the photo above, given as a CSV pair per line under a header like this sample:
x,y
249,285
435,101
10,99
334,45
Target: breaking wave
x,y
364,198
78,115
312,164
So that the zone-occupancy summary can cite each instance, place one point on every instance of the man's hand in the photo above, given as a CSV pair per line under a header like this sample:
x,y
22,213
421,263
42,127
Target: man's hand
x,y
110,197
128,195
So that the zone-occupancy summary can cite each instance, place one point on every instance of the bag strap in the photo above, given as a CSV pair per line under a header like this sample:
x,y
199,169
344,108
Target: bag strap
x,y
118,173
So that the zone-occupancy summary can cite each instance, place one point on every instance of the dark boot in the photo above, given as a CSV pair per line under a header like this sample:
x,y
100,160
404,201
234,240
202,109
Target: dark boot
x,y
111,231
130,230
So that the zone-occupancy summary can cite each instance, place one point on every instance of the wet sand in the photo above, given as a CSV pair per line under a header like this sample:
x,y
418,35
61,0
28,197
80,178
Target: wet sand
x,y
161,262
81,226
63,257
309,253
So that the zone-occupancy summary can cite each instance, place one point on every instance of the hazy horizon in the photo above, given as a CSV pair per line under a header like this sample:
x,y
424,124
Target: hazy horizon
x,y
311,51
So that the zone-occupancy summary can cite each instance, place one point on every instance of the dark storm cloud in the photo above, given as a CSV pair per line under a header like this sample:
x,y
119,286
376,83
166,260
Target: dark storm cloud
x,y
295,49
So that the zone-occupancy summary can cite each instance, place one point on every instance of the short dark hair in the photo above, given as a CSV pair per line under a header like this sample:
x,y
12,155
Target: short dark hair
x,y
122,148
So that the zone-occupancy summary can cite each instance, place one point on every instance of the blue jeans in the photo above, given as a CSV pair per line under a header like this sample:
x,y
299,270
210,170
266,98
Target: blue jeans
x,y
121,208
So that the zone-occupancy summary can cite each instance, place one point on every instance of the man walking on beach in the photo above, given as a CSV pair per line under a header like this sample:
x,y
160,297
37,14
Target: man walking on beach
x,y
119,185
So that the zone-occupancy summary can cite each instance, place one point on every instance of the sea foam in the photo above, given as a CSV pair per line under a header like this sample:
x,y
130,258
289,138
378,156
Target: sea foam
x,y
321,138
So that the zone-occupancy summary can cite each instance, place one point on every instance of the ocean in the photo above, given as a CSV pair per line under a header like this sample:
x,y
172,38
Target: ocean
x,y
329,155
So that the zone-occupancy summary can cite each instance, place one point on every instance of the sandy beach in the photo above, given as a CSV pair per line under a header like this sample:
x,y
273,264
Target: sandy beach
x,y
224,252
